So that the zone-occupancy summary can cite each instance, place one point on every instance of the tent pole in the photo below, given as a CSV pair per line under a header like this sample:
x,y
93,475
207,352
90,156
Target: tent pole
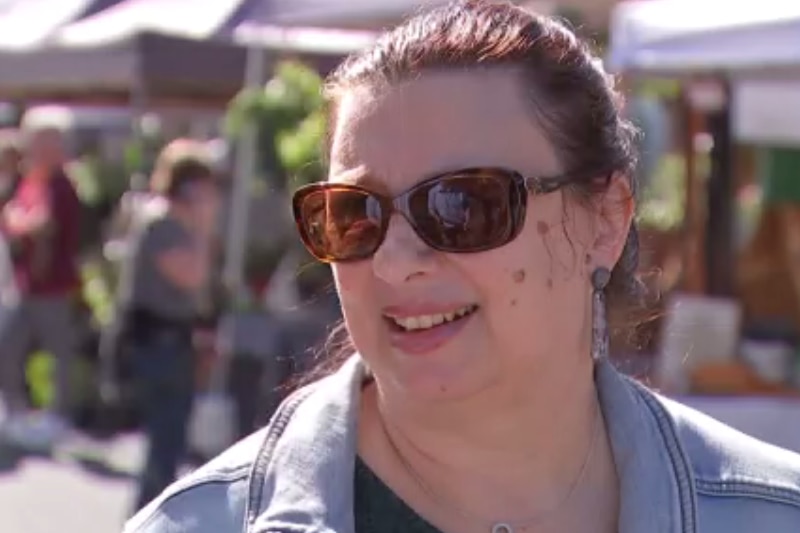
x,y
720,256
245,168
694,278
138,102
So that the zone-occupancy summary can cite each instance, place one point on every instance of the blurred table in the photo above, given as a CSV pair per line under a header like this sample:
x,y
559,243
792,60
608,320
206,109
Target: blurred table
x,y
774,420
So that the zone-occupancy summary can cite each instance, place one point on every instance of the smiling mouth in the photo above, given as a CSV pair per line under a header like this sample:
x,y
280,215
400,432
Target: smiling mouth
x,y
426,322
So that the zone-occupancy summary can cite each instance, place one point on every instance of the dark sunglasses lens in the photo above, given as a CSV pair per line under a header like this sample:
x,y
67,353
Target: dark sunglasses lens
x,y
340,224
464,213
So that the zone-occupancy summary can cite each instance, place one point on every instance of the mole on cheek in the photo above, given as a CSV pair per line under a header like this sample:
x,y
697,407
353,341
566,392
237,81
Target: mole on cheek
x,y
518,276
514,302
550,283
542,227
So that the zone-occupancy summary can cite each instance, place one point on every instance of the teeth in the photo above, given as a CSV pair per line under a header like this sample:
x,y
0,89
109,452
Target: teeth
x,y
412,323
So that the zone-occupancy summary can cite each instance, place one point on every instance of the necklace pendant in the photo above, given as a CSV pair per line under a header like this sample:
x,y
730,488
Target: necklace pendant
x,y
502,528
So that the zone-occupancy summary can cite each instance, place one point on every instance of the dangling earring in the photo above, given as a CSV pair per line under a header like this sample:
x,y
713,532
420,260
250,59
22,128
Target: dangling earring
x,y
600,278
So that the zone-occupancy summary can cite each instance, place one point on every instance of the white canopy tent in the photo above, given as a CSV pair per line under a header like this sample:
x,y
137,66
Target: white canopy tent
x,y
129,17
704,35
25,24
335,13
302,39
755,44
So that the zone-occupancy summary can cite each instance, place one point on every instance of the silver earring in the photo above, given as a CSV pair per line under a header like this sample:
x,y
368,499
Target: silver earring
x,y
600,278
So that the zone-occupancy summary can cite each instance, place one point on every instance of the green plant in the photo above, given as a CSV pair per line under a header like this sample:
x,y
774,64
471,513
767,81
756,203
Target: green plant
x,y
658,87
300,150
40,370
662,205
38,373
97,291
289,116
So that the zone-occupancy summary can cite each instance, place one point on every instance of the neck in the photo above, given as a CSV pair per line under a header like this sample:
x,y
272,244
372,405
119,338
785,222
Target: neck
x,y
520,442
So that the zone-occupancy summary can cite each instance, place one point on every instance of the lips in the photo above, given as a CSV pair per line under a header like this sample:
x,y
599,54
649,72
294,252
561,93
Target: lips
x,y
423,330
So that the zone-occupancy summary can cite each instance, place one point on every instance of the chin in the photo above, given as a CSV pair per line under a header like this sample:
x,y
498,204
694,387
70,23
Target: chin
x,y
448,377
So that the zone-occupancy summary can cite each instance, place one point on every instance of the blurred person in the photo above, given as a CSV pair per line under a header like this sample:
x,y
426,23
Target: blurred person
x,y
10,176
474,392
250,341
10,164
42,223
164,277
10,168
136,204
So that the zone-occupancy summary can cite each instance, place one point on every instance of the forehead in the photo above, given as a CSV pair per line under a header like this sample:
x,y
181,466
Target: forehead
x,y
437,122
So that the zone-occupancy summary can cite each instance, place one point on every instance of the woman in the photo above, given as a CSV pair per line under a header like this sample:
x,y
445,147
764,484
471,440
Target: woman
x,y
161,287
479,152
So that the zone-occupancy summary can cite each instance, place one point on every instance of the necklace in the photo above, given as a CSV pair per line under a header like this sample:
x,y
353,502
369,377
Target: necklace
x,y
498,527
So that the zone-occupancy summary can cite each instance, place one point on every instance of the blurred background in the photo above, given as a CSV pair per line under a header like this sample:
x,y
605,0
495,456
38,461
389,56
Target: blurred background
x,y
714,85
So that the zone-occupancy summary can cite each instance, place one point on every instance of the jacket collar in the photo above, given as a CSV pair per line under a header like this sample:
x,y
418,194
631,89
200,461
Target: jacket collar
x,y
656,485
309,485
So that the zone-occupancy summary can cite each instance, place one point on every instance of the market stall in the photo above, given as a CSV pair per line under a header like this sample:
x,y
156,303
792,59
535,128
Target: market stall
x,y
148,69
729,343
684,36
146,54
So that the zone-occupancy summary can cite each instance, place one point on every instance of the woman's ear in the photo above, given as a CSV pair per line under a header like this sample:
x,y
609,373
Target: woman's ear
x,y
614,214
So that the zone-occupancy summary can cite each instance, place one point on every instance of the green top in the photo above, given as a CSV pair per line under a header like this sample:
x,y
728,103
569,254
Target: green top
x,y
379,510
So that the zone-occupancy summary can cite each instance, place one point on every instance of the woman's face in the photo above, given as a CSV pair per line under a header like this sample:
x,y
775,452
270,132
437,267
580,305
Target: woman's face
x,y
529,298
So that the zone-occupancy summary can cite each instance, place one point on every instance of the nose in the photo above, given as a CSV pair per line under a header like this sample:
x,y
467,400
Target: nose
x,y
403,256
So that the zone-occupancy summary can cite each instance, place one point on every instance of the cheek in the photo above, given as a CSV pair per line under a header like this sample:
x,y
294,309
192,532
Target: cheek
x,y
546,285
507,279
521,280
352,282
356,296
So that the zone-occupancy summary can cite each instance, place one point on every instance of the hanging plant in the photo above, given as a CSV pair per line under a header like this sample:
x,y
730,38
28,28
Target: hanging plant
x,y
288,115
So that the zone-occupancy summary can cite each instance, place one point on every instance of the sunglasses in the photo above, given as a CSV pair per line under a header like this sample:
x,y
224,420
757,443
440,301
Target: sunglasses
x,y
464,211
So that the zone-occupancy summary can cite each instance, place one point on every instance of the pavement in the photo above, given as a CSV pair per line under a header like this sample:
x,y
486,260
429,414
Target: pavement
x,y
87,487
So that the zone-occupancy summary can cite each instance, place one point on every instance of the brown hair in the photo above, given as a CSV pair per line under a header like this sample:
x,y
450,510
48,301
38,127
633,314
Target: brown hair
x,y
180,163
571,96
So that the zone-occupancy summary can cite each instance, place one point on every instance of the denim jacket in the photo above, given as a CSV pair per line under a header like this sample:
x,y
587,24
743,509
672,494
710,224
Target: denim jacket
x,y
680,471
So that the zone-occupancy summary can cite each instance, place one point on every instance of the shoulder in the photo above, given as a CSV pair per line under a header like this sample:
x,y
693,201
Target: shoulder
x,y
730,468
160,222
162,231
209,500
718,453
